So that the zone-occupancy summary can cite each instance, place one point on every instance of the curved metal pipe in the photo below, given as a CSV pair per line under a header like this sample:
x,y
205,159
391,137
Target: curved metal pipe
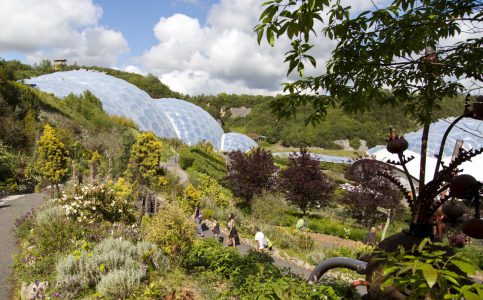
x,y
337,262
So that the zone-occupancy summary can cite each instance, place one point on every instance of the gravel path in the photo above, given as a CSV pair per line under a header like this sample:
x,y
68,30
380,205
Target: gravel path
x,y
11,208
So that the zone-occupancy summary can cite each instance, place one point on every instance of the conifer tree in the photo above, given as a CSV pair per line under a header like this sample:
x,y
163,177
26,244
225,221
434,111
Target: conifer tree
x,y
143,166
52,158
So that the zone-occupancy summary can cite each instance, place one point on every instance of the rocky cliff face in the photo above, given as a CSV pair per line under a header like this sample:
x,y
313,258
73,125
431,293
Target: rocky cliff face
x,y
345,144
240,112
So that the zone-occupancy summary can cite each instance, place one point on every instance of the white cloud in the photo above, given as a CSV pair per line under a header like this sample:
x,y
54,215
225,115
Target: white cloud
x,y
134,69
59,29
221,55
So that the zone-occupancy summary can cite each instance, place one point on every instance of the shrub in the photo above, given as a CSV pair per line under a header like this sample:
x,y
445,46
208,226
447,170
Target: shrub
x,y
253,275
42,245
49,214
91,203
304,183
120,283
270,208
212,191
170,229
114,267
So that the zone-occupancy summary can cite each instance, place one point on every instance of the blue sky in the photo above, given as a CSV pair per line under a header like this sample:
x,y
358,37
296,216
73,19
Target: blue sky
x,y
193,46
136,18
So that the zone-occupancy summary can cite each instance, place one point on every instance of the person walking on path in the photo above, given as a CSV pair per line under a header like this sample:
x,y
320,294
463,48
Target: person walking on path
x,y
232,233
263,244
370,238
216,228
301,224
198,216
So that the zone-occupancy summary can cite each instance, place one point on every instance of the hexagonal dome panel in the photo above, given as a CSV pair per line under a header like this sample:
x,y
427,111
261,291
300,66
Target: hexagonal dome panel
x,y
170,118
233,141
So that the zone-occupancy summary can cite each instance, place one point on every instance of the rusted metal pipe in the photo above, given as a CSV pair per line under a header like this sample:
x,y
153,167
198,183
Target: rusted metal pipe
x,y
337,262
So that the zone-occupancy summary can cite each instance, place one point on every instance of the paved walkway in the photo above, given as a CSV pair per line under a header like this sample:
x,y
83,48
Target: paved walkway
x,y
172,165
11,208
243,249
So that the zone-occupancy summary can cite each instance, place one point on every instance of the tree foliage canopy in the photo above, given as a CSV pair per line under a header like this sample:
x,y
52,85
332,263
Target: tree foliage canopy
x,y
52,157
407,46
144,160
250,174
304,183
371,191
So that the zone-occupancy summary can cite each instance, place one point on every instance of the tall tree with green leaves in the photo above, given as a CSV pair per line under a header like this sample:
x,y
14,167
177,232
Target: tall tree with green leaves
x,y
305,185
143,167
414,48
52,158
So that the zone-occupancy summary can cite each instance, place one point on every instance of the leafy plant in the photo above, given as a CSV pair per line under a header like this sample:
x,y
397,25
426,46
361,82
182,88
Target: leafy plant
x,y
269,208
250,174
428,271
52,157
304,183
170,229
253,275
114,267
371,190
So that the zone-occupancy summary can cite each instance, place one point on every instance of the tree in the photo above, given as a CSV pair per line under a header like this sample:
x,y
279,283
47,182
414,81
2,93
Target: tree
x,y
304,183
52,158
371,191
143,167
250,174
407,46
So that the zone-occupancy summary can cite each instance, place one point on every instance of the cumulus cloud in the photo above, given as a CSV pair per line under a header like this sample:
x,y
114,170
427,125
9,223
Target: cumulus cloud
x,y
134,69
222,55
59,29
219,56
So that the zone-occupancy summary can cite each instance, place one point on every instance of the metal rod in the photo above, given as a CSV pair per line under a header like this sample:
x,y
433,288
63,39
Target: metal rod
x,y
411,184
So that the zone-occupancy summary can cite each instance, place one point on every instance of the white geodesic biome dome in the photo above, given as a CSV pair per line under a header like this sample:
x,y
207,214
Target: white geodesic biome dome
x,y
166,117
469,130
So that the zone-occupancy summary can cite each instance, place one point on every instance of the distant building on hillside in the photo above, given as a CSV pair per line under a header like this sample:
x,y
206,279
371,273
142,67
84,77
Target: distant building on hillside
x,y
59,64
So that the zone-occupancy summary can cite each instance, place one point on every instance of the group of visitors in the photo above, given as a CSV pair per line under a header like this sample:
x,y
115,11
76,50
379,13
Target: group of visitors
x,y
232,238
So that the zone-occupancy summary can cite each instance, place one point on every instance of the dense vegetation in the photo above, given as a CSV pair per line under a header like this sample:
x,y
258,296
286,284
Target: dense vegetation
x,y
93,241
371,126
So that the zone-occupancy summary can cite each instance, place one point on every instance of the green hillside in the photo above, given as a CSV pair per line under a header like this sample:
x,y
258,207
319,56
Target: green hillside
x,y
371,126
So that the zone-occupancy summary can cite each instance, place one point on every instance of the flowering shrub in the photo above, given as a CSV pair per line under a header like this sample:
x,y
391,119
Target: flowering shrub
x,y
95,203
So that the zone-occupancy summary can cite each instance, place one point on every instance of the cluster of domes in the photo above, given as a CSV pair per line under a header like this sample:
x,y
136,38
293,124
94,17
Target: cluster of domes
x,y
167,117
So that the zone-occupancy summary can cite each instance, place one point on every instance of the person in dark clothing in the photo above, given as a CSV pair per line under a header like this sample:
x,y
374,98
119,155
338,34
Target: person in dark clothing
x,y
232,233
198,216
370,238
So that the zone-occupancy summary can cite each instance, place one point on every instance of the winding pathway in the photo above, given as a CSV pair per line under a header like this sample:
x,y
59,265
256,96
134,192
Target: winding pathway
x,y
11,208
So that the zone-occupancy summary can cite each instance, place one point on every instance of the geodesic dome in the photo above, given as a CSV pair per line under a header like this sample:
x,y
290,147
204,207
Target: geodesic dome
x,y
169,118
233,141
469,130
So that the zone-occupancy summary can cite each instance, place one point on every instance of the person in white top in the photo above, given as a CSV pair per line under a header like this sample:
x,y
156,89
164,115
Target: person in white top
x,y
260,239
